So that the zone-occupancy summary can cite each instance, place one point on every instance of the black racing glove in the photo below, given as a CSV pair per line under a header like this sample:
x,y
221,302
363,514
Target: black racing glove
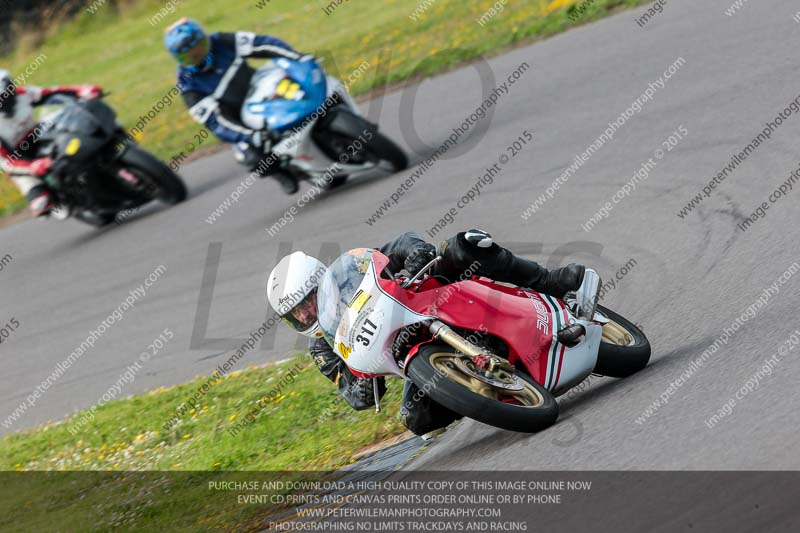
x,y
419,257
564,279
467,249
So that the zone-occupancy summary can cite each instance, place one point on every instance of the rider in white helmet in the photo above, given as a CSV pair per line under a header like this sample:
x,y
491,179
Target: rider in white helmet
x,y
292,293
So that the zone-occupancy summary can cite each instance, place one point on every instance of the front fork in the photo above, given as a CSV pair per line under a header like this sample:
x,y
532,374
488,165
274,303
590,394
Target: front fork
x,y
488,362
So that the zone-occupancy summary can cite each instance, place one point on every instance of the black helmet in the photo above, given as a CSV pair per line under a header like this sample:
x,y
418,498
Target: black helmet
x,y
8,93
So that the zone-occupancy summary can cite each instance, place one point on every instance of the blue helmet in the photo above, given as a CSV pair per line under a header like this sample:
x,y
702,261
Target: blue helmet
x,y
187,41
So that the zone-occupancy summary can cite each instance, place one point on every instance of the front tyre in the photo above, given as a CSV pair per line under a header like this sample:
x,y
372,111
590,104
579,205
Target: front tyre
x,y
515,402
624,349
167,186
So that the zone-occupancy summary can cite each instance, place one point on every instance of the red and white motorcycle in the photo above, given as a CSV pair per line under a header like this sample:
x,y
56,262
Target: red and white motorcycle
x,y
482,349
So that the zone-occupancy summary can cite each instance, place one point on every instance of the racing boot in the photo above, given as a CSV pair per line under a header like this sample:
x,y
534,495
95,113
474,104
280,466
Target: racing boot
x,y
275,167
42,200
530,274
287,181
560,281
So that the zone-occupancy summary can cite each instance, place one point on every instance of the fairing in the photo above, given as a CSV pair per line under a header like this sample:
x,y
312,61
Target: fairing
x,y
370,314
527,321
283,94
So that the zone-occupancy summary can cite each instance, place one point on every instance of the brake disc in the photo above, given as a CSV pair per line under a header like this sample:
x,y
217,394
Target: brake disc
x,y
500,380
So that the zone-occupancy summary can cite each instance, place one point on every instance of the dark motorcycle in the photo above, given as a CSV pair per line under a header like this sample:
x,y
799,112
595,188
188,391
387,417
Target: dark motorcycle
x,y
98,170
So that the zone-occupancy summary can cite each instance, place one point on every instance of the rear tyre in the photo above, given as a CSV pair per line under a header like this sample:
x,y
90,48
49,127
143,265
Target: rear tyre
x,y
169,188
385,149
449,379
624,349
349,138
336,182
95,219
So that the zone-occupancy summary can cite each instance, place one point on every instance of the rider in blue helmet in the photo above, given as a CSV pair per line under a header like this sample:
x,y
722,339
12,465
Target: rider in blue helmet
x,y
214,79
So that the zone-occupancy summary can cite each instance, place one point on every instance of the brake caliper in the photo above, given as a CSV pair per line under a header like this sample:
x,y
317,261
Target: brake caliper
x,y
491,363
482,361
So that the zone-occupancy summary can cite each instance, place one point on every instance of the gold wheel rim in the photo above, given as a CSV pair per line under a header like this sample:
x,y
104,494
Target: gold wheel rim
x,y
447,364
614,333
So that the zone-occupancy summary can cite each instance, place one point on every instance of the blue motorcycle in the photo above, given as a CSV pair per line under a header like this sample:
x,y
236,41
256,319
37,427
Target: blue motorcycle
x,y
321,136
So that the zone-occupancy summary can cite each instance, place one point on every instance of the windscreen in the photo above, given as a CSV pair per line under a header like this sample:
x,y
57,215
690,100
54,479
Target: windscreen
x,y
338,288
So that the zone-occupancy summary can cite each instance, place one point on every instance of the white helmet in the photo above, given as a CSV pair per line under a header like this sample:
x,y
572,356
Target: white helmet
x,y
292,292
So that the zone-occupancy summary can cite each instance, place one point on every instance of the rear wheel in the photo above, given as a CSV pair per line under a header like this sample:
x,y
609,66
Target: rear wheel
x,y
95,219
385,149
160,181
354,140
515,402
624,349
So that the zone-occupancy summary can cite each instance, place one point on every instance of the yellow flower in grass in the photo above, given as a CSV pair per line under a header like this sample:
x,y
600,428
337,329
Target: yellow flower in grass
x,y
556,4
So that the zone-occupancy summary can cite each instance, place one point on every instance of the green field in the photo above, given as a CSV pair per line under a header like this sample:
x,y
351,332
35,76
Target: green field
x,y
128,434
122,50
304,426
10,199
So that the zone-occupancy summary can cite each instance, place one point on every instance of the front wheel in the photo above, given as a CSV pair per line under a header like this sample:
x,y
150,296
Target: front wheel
x,y
624,349
160,181
515,402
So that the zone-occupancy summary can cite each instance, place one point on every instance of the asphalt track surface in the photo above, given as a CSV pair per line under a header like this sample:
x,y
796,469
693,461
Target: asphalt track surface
x,y
693,277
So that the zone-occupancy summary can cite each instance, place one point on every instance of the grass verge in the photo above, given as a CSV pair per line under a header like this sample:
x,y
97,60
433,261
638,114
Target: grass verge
x,y
304,427
369,44
11,201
